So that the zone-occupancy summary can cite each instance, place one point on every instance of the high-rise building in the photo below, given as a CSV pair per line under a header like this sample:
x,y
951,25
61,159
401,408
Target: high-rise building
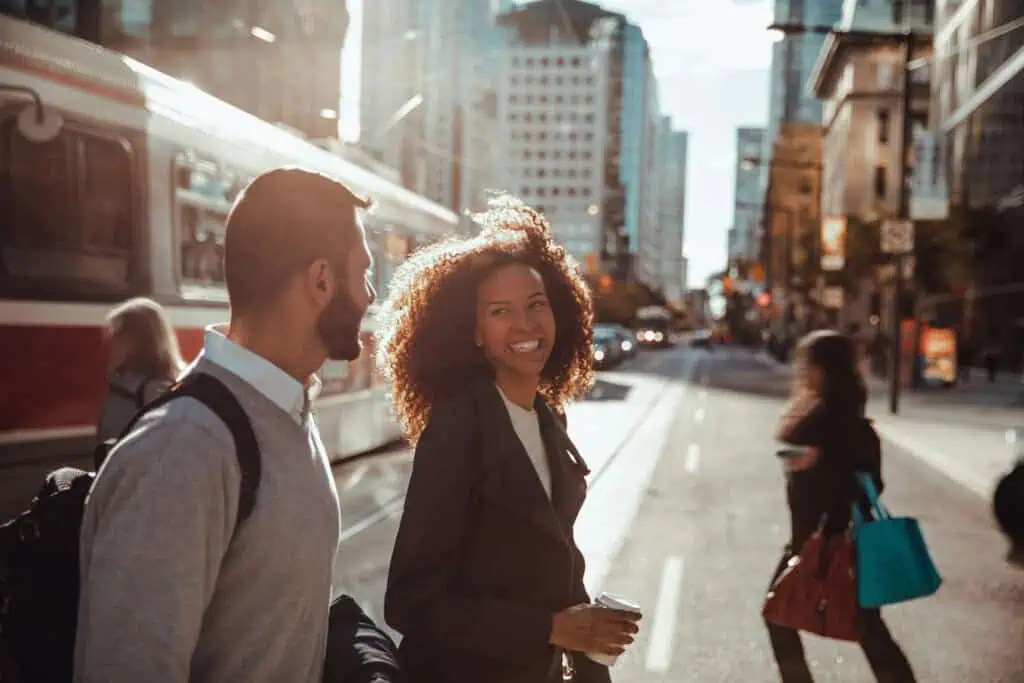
x,y
636,130
747,203
672,152
647,262
628,122
428,101
553,134
793,60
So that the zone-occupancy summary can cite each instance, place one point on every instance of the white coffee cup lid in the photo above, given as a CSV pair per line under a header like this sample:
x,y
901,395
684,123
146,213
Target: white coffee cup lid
x,y
618,602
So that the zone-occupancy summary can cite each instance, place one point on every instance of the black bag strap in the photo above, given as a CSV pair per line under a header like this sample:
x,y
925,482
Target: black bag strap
x,y
212,393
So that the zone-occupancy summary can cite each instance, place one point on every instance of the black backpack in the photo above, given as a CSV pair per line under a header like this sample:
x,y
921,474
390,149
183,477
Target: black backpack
x,y
39,548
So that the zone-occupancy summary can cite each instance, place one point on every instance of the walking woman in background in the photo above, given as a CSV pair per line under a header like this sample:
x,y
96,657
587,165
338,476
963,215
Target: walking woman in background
x,y
826,419
143,360
484,340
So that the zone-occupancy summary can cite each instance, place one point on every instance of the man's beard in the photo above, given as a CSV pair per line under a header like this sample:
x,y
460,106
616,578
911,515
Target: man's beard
x,y
338,327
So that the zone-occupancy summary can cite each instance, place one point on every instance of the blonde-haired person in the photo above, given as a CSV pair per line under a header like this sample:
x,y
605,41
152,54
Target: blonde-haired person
x,y
143,359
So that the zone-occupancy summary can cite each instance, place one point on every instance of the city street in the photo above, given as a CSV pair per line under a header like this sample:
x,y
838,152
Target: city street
x,y
686,515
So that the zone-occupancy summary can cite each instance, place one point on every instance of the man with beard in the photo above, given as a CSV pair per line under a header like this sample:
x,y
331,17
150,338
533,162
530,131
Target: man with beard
x,y
176,583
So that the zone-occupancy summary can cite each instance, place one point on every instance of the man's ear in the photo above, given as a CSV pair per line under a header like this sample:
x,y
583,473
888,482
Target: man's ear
x,y
320,281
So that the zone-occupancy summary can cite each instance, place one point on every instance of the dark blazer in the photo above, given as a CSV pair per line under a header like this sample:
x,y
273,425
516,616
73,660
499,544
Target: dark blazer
x,y
483,559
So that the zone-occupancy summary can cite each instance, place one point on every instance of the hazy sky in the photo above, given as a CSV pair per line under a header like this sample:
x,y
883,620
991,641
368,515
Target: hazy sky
x,y
712,59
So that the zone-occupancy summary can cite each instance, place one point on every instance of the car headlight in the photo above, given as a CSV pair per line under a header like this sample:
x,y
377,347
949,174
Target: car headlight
x,y
598,355
627,345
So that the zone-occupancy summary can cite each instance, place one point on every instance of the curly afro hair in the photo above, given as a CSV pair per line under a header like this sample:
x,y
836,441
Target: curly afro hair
x,y
426,326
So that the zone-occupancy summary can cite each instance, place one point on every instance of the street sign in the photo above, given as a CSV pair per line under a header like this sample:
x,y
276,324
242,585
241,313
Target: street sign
x,y
897,237
929,191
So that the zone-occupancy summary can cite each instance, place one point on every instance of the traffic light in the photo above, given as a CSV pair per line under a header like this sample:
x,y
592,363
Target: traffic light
x,y
764,300
605,283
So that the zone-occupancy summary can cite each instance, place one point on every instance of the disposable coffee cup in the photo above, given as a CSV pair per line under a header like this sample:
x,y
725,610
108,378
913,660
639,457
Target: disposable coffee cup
x,y
613,602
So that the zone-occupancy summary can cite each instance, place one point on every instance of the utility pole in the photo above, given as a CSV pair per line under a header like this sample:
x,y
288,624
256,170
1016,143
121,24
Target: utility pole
x,y
902,214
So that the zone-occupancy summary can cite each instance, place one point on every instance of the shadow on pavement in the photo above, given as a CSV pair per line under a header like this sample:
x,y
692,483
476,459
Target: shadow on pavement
x,y
603,390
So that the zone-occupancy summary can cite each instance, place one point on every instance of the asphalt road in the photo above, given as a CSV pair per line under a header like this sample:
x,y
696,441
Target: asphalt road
x,y
686,515
713,521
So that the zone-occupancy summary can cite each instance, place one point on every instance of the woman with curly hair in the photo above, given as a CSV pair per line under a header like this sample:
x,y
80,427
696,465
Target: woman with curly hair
x,y
484,341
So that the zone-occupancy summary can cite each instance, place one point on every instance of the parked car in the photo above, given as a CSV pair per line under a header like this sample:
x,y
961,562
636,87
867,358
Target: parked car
x,y
627,342
607,348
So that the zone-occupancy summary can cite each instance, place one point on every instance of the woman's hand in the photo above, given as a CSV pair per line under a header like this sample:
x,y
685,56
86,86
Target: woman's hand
x,y
595,629
807,459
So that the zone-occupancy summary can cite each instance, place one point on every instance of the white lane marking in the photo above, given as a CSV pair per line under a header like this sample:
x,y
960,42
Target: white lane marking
x,y
615,497
692,458
666,612
699,415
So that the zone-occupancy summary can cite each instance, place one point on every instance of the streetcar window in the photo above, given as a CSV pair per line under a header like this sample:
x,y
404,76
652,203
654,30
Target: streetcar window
x,y
203,194
67,221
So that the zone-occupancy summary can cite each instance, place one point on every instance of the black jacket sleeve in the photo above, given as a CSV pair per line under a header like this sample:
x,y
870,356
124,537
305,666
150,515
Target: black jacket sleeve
x,y
358,651
423,600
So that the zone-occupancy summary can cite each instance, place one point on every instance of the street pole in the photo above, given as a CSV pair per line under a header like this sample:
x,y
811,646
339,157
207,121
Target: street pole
x,y
903,214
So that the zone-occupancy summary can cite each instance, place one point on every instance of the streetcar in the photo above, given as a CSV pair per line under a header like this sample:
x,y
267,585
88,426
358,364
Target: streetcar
x,y
115,181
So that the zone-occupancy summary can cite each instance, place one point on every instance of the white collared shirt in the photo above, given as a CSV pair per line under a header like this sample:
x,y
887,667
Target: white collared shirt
x,y
281,388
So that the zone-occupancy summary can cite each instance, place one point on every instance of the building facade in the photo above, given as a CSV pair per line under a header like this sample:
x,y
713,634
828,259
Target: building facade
x,y
568,23
429,94
253,54
647,261
978,100
672,152
860,83
635,131
793,60
747,202
552,134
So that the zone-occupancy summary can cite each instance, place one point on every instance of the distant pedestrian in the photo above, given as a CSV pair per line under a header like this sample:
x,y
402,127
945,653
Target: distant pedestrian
x,y
485,339
992,356
964,357
826,420
177,584
143,361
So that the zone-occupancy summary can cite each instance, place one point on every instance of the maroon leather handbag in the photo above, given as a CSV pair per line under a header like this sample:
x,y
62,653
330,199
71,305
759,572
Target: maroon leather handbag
x,y
817,591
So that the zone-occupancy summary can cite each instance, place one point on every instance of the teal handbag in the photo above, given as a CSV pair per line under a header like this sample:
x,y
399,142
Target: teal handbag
x,y
893,563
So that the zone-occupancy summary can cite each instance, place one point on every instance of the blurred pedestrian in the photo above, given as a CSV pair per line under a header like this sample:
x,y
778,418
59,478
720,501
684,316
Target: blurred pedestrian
x,y
485,339
826,421
143,360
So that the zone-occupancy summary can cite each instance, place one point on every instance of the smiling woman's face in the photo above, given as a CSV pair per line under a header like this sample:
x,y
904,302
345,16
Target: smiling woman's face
x,y
515,326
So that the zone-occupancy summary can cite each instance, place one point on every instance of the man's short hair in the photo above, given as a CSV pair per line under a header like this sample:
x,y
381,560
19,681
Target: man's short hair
x,y
281,222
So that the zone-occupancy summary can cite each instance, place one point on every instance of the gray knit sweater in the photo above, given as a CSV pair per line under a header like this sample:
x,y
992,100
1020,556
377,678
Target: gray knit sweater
x,y
165,597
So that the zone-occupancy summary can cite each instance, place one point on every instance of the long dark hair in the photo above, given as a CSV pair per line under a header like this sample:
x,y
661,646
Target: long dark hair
x,y
835,355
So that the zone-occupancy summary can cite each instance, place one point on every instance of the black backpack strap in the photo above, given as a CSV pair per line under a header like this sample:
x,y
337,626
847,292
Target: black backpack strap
x,y
212,393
